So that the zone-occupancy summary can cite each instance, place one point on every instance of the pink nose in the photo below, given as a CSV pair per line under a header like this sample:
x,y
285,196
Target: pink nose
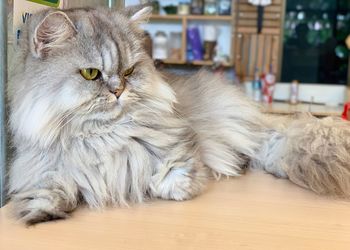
x,y
119,91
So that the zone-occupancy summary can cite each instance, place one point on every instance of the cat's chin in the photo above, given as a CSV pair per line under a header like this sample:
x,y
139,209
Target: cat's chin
x,y
107,111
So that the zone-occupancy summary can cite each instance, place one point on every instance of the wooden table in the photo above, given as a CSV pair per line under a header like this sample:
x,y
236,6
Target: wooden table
x,y
256,211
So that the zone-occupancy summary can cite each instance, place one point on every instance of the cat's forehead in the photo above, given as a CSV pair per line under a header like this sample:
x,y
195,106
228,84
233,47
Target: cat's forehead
x,y
106,38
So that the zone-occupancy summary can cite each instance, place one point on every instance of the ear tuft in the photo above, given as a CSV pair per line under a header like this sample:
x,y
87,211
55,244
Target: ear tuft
x,y
51,32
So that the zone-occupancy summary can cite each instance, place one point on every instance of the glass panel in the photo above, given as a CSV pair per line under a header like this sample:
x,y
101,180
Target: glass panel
x,y
314,48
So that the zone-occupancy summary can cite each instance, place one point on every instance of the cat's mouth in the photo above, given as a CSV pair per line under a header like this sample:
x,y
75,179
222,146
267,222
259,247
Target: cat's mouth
x,y
103,104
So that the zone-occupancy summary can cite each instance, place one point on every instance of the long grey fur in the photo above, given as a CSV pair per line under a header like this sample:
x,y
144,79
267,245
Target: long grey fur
x,y
77,142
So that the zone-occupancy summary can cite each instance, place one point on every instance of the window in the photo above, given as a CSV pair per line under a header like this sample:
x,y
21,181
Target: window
x,y
314,48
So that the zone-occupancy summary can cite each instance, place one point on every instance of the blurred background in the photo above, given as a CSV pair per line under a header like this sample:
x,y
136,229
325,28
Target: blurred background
x,y
278,51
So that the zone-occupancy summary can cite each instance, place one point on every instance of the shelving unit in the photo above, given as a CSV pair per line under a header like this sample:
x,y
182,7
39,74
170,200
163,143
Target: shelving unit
x,y
184,21
248,50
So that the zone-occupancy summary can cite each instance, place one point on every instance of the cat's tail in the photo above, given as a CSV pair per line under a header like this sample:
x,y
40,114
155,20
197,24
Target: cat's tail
x,y
313,153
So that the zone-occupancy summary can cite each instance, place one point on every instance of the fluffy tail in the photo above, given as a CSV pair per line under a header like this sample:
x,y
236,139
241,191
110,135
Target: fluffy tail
x,y
313,153
233,133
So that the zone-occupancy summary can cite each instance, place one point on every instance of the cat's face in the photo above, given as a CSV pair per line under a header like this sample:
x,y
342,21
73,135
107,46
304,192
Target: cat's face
x,y
81,65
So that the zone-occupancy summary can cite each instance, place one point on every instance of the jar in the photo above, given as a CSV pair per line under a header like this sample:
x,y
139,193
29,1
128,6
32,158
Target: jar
x,y
160,46
210,7
210,35
224,7
197,7
183,9
175,46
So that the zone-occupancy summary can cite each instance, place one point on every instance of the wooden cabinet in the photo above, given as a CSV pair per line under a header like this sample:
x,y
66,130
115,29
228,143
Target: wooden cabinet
x,y
253,50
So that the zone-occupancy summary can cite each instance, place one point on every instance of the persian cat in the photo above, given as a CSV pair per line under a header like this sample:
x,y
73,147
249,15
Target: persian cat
x,y
94,122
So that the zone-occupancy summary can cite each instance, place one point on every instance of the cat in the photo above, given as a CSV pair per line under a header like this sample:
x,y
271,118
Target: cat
x,y
93,122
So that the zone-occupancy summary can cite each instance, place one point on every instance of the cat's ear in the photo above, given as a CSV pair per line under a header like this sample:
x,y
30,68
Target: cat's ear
x,y
139,14
51,32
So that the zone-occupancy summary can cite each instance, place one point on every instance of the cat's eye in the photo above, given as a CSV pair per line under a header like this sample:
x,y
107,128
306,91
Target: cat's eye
x,y
90,73
129,71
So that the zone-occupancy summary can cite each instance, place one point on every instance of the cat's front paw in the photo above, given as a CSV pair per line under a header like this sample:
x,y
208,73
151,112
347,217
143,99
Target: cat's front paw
x,y
180,183
38,206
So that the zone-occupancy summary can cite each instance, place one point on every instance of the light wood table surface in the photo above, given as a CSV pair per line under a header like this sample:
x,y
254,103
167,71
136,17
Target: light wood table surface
x,y
256,211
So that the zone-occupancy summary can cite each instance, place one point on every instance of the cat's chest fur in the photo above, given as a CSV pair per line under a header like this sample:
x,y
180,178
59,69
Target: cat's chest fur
x,y
110,163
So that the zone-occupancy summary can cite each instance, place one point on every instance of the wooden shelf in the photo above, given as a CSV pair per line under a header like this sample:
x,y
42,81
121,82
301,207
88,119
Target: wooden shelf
x,y
172,61
197,63
184,21
192,17
208,63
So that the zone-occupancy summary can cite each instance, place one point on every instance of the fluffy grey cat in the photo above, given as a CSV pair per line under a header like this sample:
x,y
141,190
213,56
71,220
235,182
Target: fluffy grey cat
x,y
94,122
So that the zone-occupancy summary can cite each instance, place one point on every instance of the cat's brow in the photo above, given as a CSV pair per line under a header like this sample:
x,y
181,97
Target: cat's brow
x,y
110,56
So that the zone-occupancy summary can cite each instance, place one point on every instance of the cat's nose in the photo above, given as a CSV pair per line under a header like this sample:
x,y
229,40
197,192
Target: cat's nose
x,y
118,91
116,86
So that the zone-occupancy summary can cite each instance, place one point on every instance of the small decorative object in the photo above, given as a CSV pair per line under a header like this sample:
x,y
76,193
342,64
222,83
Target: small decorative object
x,y
197,7
268,84
195,42
160,46
257,87
210,38
294,92
261,4
210,7
184,8
224,7
346,112
175,46
170,9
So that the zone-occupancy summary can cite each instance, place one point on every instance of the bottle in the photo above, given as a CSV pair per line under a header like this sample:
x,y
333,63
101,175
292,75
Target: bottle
x,y
268,86
210,7
210,34
148,43
294,92
257,87
160,46
197,7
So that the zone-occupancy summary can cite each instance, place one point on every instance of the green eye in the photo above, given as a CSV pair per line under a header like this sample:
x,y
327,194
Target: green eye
x,y
129,71
90,73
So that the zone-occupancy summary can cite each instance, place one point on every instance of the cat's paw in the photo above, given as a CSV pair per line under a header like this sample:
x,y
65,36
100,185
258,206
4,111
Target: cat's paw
x,y
180,183
38,206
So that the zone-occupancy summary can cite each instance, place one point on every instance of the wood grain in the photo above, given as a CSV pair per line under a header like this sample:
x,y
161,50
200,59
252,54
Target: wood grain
x,y
267,53
256,211
238,56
